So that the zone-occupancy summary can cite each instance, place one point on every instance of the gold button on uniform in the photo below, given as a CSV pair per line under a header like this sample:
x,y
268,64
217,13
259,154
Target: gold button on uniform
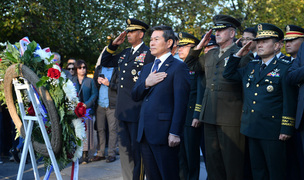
x,y
257,85
253,102
255,94
252,110
126,64
121,86
121,78
123,71
272,116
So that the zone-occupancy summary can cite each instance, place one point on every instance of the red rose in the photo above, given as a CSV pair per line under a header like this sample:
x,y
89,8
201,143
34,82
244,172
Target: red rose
x,y
80,110
31,110
0,59
53,73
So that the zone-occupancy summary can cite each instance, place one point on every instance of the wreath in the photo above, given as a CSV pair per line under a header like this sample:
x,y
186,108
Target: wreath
x,y
62,113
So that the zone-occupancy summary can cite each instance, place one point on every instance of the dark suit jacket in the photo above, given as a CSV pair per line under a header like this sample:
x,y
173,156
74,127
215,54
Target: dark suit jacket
x,y
296,77
88,90
164,105
129,67
269,101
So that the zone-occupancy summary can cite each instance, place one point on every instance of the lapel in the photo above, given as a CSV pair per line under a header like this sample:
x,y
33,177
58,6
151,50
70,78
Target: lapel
x,y
134,55
269,68
168,62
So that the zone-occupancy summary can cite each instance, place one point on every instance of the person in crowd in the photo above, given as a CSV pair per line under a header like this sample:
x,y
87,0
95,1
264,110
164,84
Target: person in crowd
x,y
107,82
211,44
164,88
295,47
269,103
87,94
248,35
222,104
57,59
190,143
175,47
71,68
293,39
129,63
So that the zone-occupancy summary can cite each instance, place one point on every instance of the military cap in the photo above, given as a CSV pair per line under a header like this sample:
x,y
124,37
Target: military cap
x,y
212,40
266,31
225,21
185,39
293,32
134,24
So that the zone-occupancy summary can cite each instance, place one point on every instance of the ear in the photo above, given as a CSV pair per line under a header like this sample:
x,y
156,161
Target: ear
x,y
277,46
232,33
141,34
169,43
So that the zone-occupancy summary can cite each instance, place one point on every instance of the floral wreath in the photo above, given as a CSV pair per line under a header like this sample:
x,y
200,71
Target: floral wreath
x,y
63,92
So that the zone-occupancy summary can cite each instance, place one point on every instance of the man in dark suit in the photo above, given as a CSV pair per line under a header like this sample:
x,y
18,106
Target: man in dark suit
x,y
269,103
129,63
164,88
293,39
222,105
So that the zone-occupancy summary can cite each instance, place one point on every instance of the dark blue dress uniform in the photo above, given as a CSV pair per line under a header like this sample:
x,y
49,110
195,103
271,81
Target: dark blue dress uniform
x,y
190,143
127,111
268,111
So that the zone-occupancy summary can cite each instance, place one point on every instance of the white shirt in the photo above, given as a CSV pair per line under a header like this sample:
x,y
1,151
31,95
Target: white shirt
x,y
137,47
162,59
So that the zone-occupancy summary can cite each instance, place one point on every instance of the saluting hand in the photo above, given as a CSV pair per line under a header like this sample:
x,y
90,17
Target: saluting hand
x,y
204,42
173,140
120,39
284,137
244,50
154,78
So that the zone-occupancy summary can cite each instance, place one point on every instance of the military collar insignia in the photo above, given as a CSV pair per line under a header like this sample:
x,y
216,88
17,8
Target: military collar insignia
x,y
252,71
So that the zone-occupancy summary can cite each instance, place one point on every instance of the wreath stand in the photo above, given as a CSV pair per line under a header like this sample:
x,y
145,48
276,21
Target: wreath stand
x,y
28,122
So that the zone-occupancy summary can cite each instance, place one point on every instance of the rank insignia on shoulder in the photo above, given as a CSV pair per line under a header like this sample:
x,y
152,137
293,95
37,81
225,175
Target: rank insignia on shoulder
x,y
226,61
285,61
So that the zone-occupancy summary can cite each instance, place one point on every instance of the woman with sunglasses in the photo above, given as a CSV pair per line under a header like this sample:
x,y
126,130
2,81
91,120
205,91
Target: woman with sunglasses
x,y
71,68
87,93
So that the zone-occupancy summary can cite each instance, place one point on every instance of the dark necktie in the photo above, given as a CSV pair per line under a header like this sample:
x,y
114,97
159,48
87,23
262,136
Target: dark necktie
x,y
156,63
262,67
132,50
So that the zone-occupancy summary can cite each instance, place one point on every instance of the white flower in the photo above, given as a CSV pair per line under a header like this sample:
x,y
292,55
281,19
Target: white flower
x,y
43,55
69,90
80,133
55,66
63,75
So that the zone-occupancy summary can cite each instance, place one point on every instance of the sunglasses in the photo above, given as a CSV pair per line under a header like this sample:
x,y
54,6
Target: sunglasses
x,y
83,67
70,69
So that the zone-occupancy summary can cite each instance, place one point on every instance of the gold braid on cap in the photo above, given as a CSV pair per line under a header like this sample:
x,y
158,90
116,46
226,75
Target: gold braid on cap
x,y
186,41
267,33
293,35
219,26
134,27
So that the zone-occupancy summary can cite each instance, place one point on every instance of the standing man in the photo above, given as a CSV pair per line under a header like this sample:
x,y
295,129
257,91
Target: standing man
x,y
269,103
248,35
106,80
222,105
129,63
293,39
164,88
190,144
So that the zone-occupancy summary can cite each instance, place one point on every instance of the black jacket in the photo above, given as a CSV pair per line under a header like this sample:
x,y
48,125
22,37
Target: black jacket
x,y
112,91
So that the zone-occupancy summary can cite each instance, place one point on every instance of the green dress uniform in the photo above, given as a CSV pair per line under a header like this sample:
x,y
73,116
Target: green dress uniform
x,y
190,143
221,112
268,111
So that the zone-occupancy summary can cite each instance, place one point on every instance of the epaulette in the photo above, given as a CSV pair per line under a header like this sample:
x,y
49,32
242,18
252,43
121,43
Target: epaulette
x,y
255,61
284,61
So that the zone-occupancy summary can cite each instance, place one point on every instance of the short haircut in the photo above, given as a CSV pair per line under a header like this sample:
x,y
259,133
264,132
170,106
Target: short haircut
x,y
78,65
58,55
168,33
251,30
